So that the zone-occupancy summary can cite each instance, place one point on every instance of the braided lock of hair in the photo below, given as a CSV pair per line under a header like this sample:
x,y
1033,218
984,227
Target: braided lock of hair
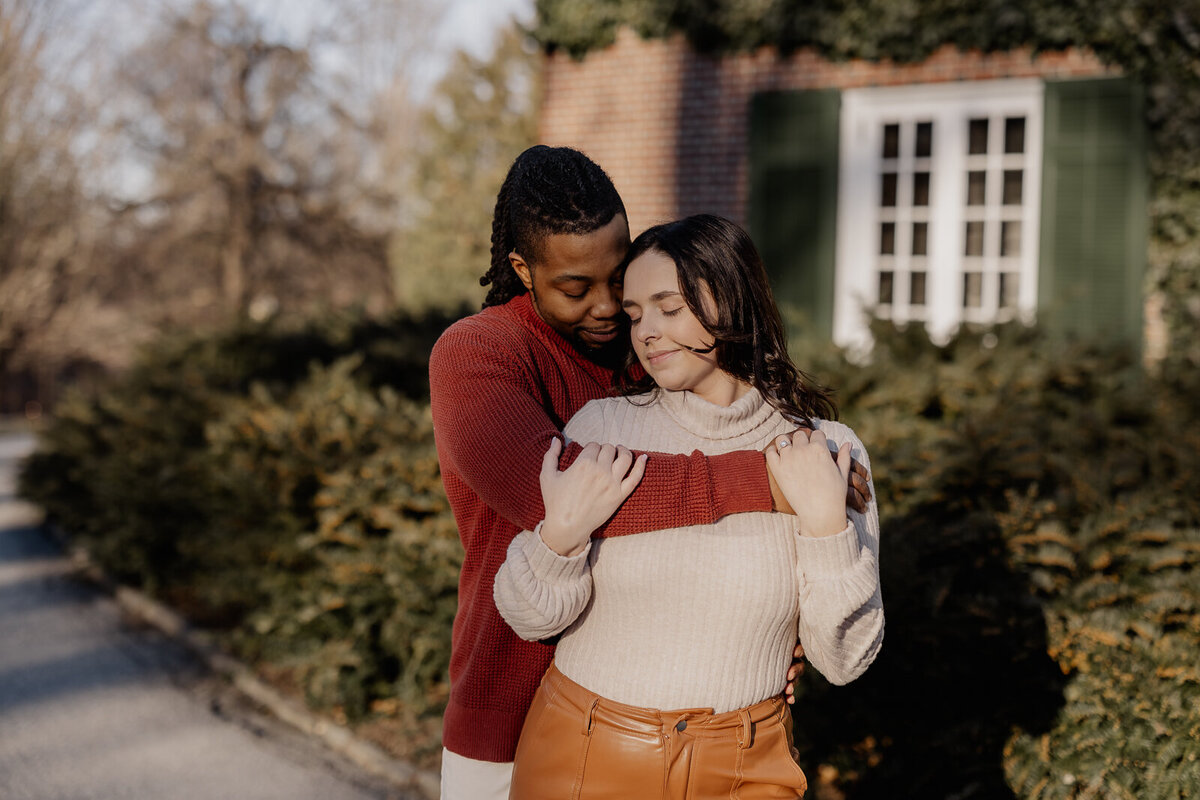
x,y
548,190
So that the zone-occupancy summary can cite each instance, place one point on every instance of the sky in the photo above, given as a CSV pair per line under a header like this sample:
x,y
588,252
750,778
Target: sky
x,y
465,24
471,24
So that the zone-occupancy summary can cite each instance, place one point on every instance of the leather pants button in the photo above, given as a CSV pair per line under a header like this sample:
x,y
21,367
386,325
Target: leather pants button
x,y
681,725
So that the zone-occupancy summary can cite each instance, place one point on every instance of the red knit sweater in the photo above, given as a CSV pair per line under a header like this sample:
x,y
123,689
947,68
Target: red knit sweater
x,y
503,383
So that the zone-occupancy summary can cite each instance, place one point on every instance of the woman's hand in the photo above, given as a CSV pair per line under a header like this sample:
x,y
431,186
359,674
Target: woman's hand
x,y
858,493
583,497
815,485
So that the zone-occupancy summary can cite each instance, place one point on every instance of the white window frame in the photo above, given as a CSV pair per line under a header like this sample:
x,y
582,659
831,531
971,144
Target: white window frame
x,y
949,106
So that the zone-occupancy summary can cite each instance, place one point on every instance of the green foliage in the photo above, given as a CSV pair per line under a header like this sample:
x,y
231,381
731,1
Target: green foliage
x,y
359,594
1041,573
1156,43
482,116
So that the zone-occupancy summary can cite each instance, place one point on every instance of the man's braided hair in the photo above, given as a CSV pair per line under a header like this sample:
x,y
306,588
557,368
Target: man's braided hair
x,y
548,190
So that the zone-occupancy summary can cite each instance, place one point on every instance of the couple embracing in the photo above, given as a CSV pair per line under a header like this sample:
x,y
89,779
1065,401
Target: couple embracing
x,y
656,506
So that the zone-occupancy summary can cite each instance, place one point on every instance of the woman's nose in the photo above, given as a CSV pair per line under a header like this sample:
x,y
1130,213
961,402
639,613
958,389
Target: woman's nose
x,y
646,331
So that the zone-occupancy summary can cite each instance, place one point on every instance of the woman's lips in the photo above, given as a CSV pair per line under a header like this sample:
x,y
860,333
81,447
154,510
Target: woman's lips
x,y
659,357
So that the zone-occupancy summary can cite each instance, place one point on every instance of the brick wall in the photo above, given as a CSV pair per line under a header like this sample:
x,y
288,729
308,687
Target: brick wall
x,y
670,126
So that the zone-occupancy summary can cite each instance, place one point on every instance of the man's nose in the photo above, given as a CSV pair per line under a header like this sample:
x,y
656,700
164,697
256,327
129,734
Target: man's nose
x,y
608,305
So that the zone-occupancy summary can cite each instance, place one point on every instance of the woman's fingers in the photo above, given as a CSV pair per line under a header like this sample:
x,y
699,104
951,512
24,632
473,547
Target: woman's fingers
x,y
621,462
550,460
843,461
635,475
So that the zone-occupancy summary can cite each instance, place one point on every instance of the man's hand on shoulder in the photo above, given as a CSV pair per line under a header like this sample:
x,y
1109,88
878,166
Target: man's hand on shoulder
x,y
858,491
794,672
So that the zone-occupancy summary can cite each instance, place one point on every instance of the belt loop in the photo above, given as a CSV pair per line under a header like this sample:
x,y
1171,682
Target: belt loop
x,y
587,722
746,731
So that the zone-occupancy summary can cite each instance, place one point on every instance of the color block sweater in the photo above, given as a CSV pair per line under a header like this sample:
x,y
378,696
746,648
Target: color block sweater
x,y
708,616
502,384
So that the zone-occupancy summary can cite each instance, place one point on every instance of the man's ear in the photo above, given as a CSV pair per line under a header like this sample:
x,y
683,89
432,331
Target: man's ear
x,y
522,268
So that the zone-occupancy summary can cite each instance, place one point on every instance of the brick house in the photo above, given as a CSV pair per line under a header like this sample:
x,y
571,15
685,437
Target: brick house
x,y
968,187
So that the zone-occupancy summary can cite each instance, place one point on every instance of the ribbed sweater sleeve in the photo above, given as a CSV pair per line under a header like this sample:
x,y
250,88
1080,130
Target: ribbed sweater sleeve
x,y
539,592
841,606
490,420
490,417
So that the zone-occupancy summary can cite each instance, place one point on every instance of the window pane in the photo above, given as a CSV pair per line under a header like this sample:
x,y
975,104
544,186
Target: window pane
x,y
885,288
920,239
887,239
976,186
921,188
977,138
889,189
1008,289
891,141
1013,182
916,291
1010,238
974,239
1014,135
972,289
924,139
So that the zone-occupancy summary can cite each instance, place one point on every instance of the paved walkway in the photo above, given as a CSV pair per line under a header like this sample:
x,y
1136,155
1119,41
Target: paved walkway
x,y
93,707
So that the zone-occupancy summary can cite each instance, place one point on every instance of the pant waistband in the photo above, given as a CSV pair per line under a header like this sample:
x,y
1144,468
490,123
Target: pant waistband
x,y
697,722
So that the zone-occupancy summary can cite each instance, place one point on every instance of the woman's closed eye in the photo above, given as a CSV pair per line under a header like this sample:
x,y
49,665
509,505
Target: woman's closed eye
x,y
666,313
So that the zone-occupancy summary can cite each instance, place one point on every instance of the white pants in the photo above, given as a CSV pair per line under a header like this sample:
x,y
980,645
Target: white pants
x,y
467,779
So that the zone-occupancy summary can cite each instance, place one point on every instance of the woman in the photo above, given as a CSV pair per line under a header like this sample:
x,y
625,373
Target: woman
x,y
668,676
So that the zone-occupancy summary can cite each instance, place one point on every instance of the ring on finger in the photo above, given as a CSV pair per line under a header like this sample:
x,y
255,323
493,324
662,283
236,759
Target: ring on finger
x,y
782,442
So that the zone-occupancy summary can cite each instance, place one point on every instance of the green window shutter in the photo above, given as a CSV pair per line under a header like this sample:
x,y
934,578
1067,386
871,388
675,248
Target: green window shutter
x,y
793,197
1094,214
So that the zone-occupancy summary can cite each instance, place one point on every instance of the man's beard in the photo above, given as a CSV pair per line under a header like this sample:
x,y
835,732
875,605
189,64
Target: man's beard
x,y
610,355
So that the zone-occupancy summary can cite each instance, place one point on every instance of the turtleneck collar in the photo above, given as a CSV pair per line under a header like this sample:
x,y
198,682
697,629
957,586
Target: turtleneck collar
x,y
711,421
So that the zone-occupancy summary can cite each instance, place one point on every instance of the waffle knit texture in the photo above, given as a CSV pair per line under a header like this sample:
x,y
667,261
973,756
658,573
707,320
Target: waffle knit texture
x,y
502,384
705,617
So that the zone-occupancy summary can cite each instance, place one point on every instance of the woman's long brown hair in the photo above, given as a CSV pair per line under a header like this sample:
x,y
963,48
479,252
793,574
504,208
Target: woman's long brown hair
x,y
711,253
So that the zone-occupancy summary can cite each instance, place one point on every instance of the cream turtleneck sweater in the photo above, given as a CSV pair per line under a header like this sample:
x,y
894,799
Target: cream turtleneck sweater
x,y
705,616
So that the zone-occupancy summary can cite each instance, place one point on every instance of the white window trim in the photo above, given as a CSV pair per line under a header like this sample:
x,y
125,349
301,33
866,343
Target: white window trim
x,y
949,106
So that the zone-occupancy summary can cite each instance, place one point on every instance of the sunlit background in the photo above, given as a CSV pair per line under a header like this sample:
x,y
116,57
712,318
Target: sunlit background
x,y
230,233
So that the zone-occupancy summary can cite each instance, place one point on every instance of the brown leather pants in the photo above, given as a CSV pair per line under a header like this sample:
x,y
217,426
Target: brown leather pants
x,y
577,745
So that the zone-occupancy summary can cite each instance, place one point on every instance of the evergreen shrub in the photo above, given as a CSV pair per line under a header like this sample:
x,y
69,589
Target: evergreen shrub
x,y
1041,574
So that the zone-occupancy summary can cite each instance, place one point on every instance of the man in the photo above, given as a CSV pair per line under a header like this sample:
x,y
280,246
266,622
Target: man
x,y
503,383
